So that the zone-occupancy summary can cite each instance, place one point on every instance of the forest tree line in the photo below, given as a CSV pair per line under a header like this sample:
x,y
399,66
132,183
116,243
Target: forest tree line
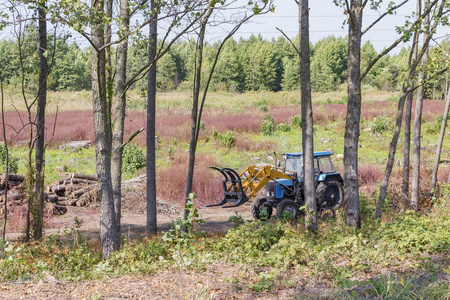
x,y
252,64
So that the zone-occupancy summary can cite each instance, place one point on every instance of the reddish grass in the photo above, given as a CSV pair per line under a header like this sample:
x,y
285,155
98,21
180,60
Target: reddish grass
x,y
207,184
369,174
175,123
17,218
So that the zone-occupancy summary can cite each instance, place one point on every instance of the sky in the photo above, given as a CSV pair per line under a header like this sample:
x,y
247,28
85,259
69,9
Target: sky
x,y
328,19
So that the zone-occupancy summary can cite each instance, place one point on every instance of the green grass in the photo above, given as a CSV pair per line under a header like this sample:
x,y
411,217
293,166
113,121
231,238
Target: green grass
x,y
405,257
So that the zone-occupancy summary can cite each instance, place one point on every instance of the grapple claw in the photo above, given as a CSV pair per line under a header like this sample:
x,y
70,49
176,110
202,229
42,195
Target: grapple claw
x,y
232,189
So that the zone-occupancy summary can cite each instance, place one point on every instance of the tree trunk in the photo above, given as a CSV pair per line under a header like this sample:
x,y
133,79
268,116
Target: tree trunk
x,y
102,128
351,185
5,206
38,219
391,156
309,186
407,145
151,117
119,115
418,123
441,140
409,100
194,112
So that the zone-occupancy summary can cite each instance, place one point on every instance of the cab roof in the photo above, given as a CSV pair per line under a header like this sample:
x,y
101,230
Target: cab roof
x,y
316,154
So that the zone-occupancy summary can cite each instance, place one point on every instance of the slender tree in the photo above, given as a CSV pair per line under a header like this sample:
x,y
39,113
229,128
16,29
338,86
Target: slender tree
x,y
441,141
405,91
40,116
151,118
418,119
309,186
409,100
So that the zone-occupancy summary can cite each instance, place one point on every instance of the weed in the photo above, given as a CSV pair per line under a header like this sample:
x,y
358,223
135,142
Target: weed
x,y
297,121
133,158
267,127
283,127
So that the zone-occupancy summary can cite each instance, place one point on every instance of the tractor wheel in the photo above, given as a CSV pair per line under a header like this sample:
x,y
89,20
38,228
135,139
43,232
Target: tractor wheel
x,y
329,195
287,210
257,206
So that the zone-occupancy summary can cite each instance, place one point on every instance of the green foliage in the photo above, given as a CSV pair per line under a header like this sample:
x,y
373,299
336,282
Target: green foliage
x,y
13,161
267,127
297,121
133,158
435,127
283,127
183,230
227,140
381,124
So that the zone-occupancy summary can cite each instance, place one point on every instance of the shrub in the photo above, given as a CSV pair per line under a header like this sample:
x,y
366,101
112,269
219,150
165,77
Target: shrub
x,y
268,118
267,127
283,127
297,121
228,139
381,124
133,158
13,161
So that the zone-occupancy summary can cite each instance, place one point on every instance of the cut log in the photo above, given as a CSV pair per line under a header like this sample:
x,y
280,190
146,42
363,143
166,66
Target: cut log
x,y
77,193
67,202
86,181
84,176
53,198
13,177
59,188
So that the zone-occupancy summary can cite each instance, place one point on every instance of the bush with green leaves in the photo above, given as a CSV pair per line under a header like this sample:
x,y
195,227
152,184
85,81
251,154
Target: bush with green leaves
x,y
283,127
381,124
133,158
297,121
13,161
226,140
267,125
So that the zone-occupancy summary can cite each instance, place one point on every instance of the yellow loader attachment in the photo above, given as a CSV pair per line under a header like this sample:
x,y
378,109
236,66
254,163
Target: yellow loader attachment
x,y
239,188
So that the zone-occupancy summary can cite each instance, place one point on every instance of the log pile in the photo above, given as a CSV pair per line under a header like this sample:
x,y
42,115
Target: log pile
x,y
76,190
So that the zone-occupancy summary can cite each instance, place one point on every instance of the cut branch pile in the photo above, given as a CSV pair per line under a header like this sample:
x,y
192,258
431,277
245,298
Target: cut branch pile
x,y
77,190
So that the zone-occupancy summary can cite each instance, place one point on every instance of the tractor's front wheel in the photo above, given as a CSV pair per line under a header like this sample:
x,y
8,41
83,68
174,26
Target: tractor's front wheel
x,y
260,209
288,210
329,195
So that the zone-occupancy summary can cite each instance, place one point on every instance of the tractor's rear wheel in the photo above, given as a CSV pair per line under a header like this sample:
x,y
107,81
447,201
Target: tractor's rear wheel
x,y
287,210
329,194
258,207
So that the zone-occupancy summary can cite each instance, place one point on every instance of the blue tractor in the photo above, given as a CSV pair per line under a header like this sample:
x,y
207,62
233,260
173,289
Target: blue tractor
x,y
283,186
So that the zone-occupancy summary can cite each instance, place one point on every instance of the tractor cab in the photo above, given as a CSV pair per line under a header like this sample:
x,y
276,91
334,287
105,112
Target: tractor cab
x,y
322,163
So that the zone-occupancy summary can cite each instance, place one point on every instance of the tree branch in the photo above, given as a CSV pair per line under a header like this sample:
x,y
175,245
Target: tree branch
x,y
383,15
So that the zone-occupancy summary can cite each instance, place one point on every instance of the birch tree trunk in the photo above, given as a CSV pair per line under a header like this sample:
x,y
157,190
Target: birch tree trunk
x,y
351,184
309,186
151,117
